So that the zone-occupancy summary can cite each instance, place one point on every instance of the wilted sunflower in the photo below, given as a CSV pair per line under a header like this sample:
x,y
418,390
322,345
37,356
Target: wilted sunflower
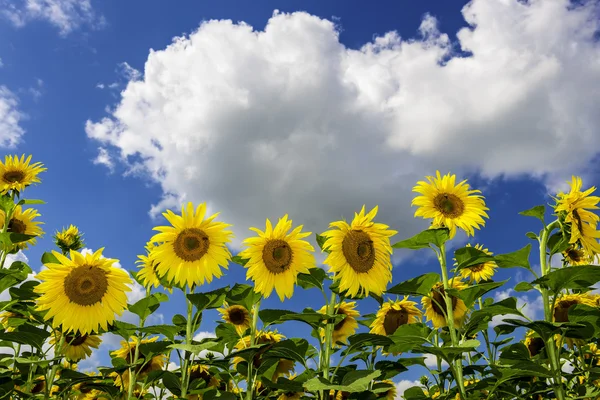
x,y
193,248
576,255
276,257
76,346
449,204
148,265
346,327
360,254
534,343
69,239
393,314
264,337
16,174
23,222
479,272
127,352
236,315
390,393
82,293
435,305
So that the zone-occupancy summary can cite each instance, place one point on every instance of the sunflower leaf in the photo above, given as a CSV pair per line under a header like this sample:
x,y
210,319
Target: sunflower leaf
x,y
172,382
576,277
239,260
321,242
536,212
212,299
421,285
31,201
523,287
194,348
519,258
49,258
558,243
472,293
424,239
408,336
146,306
415,393
353,381
314,278
469,256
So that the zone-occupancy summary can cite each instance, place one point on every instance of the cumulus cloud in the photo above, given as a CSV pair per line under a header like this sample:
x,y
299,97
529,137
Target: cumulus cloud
x,y
259,123
403,385
10,118
66,15
103,158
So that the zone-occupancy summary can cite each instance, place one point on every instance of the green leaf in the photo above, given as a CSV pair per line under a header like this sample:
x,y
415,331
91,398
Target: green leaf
x,y
146,306
557,243
359,341
353,382
31,201
523,287
519,258
49,258
321,242
576,277
421,285
172,382
242,294
415,393
239,260
13,275
424,239
469,256
582,314
408,336
195,348
168,331
472,293
308,316
531,236
536,212
314,278
208,300
19,237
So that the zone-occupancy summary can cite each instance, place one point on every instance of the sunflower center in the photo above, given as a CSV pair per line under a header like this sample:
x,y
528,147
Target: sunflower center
x,y
438,302
13,176
75,340
358,249
450,205
237,316
86,285
561,312
575,255
277,256
477,268
393,319
16,226
340,324
191,244
535,345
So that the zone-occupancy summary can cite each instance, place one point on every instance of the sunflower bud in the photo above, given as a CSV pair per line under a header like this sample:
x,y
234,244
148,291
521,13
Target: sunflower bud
x,y
69,239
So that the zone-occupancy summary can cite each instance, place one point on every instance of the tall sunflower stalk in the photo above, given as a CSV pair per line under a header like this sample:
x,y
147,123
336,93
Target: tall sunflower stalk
x,y
253,330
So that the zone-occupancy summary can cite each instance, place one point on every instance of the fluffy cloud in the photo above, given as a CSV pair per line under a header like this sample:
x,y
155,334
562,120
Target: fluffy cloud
x,y
10,117
103,158
404,385
289,120
66,15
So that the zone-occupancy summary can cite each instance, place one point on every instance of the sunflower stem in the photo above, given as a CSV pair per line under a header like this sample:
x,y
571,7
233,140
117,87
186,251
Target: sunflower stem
x,y
136,355
50,380
250,388
188,340
9,215
458,375
553,353
486,337
328,339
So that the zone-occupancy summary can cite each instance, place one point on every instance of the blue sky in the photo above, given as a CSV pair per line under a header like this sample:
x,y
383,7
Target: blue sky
x,y
318,114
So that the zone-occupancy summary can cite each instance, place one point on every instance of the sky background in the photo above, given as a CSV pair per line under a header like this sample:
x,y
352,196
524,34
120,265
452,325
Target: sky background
x,y
310,108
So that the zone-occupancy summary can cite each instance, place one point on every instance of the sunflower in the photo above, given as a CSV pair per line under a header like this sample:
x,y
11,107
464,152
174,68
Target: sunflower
x,y
82,293
345,327
23,222
479,272
199,371
264,337
76,346
360,254
534,343
148,265
290,396
576,255
127,352
193,248
16,174
69,239
449,204
236,315
390,393
393,314
562,305
5,317
435,305
276,257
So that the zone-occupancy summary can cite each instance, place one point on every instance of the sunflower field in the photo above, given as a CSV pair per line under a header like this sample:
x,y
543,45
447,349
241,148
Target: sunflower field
x,y
57,318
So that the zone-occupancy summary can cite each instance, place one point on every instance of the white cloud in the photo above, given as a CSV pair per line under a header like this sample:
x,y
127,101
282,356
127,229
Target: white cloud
x,y
530,305
431,361
128,72
10,117
404,385
105,159
66,15
1,63
289,120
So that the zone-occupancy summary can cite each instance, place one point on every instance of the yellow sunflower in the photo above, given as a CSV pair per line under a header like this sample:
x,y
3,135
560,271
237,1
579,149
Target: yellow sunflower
x,y
193,248
264,337
534,343
290,396
435,305
346,327
199,371
127,352
575,255
236,315
23,222
389,394
561,313
449,204
76,346
82,293
148,268
69,239
479,272
393,314
16,174
276,257
4,319
360,254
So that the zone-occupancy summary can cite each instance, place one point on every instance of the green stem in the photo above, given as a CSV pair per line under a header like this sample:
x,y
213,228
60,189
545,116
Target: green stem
x,y
50,380
250,379
550,344
486,337
188,341
458,371
328,344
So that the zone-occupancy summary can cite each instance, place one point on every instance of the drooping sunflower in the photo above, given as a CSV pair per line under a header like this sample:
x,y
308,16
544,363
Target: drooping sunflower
x,y
393,314
479,272
449,204
16,173
76,346
576,255
360,254
69,239
127,352
276,257
284,366
346,327
390,393
22,221
236,315
435,305
534,343
193,249
82,293
148,268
